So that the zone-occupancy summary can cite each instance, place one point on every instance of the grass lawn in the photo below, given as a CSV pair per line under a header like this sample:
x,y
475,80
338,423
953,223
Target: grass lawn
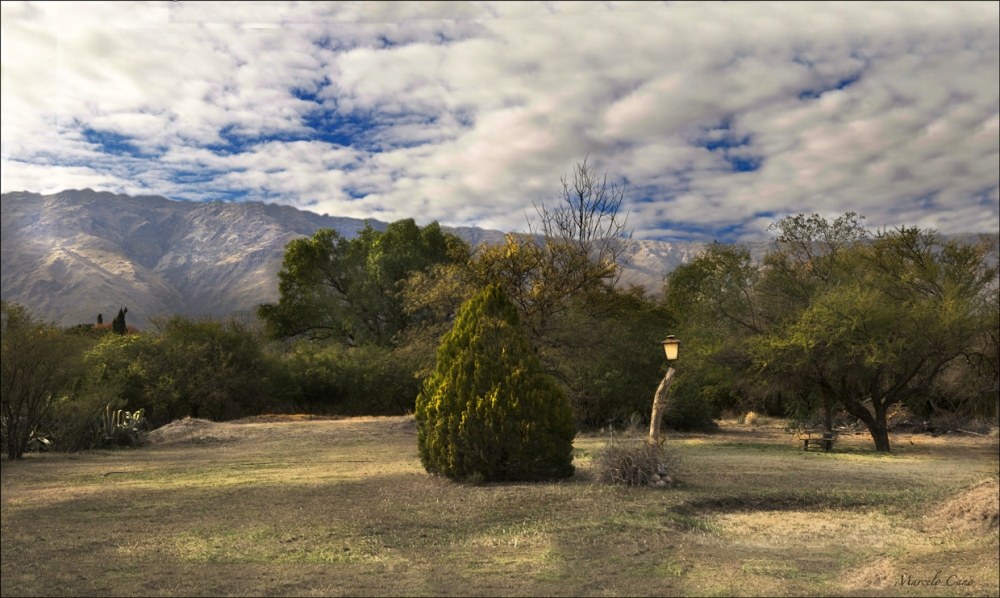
x,y
306,507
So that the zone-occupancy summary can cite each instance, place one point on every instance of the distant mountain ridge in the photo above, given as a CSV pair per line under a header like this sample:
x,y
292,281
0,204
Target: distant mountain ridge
x,y
71,255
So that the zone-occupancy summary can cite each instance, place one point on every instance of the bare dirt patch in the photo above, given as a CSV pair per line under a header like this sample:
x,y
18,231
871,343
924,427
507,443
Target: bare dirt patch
x,y
191,429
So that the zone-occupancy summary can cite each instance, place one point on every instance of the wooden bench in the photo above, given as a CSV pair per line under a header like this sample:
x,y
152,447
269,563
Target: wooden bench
x,y
817,438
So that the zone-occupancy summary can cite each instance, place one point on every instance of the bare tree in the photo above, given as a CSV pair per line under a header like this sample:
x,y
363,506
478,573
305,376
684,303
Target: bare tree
x,y
588,221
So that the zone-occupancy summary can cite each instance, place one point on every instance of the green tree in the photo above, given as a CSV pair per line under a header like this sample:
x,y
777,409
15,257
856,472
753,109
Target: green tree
x,y
37,364
210,368
870,322
489,409
834,316
348,289
714,300
609,363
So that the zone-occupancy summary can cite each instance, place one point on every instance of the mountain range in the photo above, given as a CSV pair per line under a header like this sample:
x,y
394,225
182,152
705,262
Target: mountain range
x,y
71,255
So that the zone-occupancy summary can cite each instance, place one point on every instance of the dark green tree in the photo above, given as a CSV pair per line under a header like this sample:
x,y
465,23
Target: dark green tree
x,y
348,289
37,364
100,319
118,324
489,410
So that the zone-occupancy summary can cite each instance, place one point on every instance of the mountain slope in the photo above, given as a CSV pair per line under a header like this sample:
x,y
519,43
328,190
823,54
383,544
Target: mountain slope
x,y
77,253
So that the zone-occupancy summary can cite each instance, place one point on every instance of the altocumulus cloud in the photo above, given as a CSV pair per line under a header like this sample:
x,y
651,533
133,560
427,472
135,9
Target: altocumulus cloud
x,y
720,117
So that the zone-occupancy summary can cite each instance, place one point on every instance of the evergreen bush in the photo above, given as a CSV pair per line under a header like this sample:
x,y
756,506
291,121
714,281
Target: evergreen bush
x,y
489,412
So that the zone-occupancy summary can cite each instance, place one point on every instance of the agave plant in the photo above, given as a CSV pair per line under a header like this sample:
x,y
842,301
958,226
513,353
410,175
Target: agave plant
x,y
118,428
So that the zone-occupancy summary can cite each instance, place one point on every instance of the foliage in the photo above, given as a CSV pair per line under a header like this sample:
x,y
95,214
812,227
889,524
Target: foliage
x,y
431,299
69,422
489,408
693,403
37,364
367,380
197,367
347,289
210,368
713,299
878,321
579,255
835,316
609,360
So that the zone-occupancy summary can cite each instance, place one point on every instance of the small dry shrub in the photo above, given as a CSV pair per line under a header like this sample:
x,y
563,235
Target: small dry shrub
x,y
635,425
729,415
750,419
632,462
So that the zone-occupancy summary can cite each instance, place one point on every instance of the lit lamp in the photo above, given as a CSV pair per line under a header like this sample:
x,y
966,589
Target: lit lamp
x,y
671,346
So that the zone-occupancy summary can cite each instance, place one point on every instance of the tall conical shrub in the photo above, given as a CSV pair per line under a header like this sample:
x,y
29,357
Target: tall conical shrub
x,y
489,410
118,324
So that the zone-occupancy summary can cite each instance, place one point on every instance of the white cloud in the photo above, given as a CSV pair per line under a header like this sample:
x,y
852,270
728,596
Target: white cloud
x,y
468,113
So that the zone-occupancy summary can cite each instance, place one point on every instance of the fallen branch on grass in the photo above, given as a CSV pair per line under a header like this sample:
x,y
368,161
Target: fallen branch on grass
x,y
968,432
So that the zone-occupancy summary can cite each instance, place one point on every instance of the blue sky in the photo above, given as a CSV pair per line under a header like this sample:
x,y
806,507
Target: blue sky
x,y
720,117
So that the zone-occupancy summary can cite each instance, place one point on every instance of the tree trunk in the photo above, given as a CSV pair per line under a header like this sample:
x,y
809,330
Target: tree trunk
x,y
827,414
16,443
660,406
876,424
880,427
880,434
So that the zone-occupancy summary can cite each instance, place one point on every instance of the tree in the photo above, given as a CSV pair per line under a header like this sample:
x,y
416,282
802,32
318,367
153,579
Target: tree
x,y
489,411
37,363
578,256
210,368
118,324
588,223
836,316
870,322
715,302
100,319
348,289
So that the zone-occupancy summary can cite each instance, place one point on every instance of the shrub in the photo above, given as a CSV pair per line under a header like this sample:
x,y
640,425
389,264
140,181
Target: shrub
x,y
489,410
366,380
688,408
37,364
70,422
633,463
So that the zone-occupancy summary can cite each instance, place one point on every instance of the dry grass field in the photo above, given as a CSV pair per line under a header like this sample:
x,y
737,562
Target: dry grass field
x,y
287,506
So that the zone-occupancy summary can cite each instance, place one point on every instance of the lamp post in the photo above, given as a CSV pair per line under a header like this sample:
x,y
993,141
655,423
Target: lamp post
x,y
671,347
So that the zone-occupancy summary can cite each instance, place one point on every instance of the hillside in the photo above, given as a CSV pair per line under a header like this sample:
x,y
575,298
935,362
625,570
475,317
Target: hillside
x,y
77,253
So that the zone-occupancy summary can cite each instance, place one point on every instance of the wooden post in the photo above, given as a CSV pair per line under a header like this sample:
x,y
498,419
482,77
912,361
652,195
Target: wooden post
x,y
660,407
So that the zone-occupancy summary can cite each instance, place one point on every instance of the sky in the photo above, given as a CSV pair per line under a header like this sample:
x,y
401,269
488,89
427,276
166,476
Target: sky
x,y
718,118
